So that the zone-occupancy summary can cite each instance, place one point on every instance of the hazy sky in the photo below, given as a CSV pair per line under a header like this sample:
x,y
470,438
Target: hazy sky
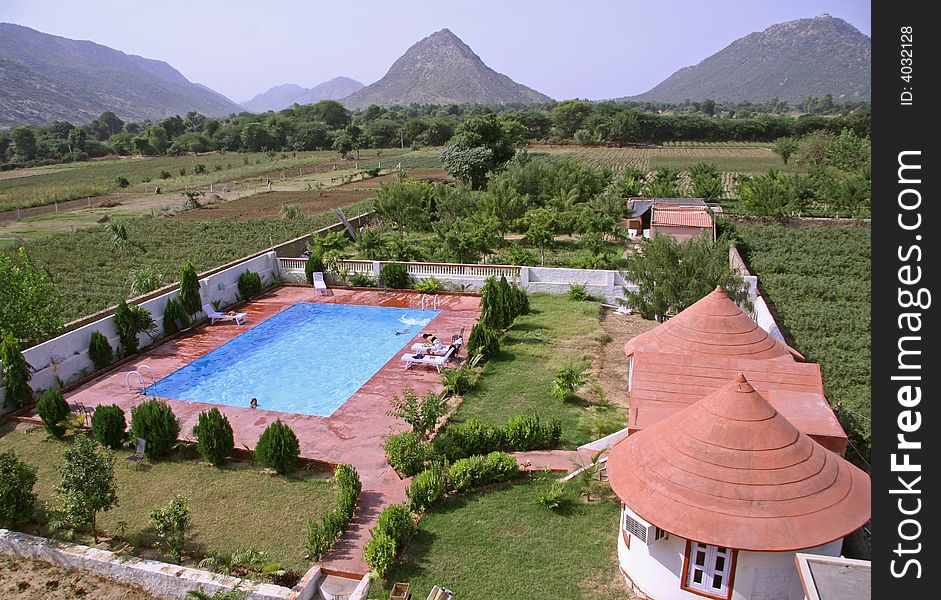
x,y
588,49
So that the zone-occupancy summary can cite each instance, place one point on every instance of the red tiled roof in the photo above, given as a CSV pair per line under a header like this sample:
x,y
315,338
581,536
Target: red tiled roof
x,y
732,471
713,326
681,217
662,384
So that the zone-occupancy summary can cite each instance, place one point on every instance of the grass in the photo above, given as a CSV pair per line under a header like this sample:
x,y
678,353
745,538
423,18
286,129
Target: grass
x,y
726,159
818,282
502,544
231,507
95,178
91,274
520,378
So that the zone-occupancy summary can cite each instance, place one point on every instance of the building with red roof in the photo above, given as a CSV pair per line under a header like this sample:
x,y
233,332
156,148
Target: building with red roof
x,y
719,496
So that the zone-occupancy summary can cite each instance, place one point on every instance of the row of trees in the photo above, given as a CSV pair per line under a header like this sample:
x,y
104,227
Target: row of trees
x,y
329,125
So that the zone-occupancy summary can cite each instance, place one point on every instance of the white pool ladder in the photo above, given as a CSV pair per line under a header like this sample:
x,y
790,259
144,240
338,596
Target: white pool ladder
x,y
430,302
140,377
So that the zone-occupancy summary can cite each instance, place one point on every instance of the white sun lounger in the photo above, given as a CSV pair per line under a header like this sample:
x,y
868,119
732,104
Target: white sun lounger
x,y
214,315
319,283
435,361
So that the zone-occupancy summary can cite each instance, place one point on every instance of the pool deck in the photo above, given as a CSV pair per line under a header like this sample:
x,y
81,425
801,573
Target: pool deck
x,y
353,434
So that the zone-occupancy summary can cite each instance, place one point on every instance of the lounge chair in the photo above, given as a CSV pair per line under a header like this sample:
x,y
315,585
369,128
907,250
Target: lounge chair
x,y
138,455
319,283
214,315
440,348
435,361
439,593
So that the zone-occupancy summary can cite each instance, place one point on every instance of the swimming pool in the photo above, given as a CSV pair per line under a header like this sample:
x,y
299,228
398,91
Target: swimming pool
x,y
307,359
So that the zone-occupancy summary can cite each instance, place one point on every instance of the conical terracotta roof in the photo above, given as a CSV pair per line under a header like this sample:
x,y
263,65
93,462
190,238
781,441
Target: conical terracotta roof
x,y
713,326
731,471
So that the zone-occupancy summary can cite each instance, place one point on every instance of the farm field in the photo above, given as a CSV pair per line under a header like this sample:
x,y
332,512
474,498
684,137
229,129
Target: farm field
x,y
736,159
94,178
818,283
266,513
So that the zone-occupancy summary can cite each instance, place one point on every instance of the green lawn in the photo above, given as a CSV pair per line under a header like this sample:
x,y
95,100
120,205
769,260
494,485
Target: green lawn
x,y
503,544
519,380
231,508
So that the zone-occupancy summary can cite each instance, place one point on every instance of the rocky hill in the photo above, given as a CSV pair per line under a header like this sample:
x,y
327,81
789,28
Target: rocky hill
x,y
283,96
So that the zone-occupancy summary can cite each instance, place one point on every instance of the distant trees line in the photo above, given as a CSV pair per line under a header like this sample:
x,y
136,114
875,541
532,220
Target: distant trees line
x,y
329,125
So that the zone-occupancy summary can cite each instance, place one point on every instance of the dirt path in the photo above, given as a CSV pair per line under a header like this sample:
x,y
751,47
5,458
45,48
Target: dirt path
x,y
24,579
610,368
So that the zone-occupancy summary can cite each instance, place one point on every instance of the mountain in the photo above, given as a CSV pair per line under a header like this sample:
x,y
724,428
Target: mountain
x,y
283,96
442,69
790,61
45,77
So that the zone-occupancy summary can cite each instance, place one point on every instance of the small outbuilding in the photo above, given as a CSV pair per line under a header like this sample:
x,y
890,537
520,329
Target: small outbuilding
x,y
681,218
719,497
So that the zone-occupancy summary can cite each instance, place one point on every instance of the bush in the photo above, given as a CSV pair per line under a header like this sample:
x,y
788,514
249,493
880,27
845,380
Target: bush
x,y
362,280
483,341
469,438
172,523
422,414
17,500
122,182
567,380
394,275
495,311
406,453
427,488
189,289
15,373
474,471
53,410
249,284
130,321
429,285
313,265
526,432
379,554
321,536
278,448
578,292
457,381
396,522
350,486
155,422
174,317
214,439
108,425
99,350
555,496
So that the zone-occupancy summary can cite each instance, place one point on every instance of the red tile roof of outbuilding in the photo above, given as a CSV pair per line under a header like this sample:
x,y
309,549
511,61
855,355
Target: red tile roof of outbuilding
x,y
681,217
713,326
732,471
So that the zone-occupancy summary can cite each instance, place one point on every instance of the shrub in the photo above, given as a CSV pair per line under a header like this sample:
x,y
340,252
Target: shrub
x,y
567,380
422,414
249,284
321,536
17,500
555,496
53,410
87,485
495,312
319,539
189,289
468,438
350,486
174,317
599,421
131,320
278,448
122,182
172,523
214,438
99,350
474,471
379,554
15,372
457,381
429,285
520,299
155,422
313,265
396,522
394,275
164,174
108,425
427,488
483,341
362,280
578,292
526,432
406,453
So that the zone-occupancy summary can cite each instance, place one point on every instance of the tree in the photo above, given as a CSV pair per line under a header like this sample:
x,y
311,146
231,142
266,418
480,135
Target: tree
x,y
88,485
16,373
332,113
30,306
785,147
569,116
255,137
540,229
671,275
17,499
470,165
189,289
172,524
479,146
849,152
24,142
157,139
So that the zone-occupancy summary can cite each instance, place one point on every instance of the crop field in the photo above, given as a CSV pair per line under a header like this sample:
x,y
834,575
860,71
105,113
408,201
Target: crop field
x,y
818,283
94,178
735,159
685,144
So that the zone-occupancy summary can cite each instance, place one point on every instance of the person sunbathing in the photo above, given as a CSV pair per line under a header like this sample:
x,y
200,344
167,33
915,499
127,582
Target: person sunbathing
x,y
433,345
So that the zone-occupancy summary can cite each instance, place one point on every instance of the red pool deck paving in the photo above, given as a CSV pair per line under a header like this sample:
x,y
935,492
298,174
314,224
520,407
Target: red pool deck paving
x,y
353,434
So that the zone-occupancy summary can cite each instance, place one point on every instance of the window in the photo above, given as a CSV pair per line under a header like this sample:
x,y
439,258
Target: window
x,y
709,570
661,535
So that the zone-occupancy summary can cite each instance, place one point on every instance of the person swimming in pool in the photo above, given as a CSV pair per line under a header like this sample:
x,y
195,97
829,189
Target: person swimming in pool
x,y
253,403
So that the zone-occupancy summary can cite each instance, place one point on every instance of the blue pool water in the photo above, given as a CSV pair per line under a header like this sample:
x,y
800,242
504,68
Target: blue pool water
x,y
307,359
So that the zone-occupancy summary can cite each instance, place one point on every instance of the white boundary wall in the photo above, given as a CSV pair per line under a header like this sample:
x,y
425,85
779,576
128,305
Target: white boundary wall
x,y
65,359
760,311
601,283
160,579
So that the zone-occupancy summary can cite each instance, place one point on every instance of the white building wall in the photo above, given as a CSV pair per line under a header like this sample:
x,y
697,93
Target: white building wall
x,y
656,568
